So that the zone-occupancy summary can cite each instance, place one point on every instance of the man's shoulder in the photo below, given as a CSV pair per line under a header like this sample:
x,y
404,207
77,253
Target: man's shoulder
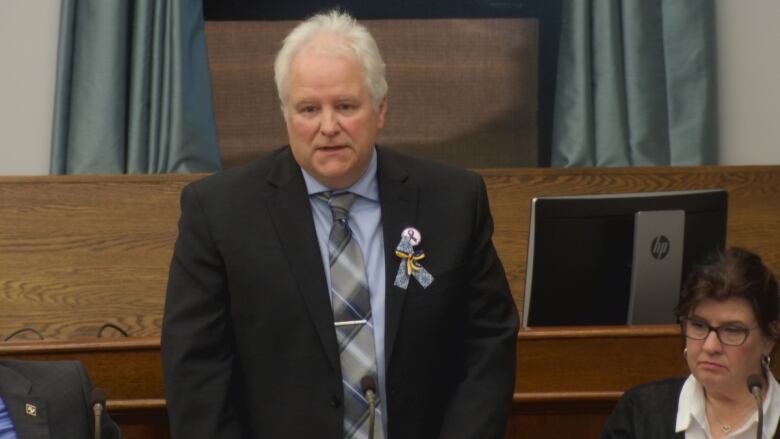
x,y
39,366
48,370
427,171
246,175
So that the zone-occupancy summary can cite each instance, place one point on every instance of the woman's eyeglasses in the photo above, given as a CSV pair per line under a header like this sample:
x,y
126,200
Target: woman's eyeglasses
x,y
731,334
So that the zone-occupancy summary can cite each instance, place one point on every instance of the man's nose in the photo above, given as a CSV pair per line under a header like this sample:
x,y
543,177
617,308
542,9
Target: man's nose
x,y
329,125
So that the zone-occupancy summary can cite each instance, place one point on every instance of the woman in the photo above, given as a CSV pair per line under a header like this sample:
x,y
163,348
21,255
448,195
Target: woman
x,y
728,313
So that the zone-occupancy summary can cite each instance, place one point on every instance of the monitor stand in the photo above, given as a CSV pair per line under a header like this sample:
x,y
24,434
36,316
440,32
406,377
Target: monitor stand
x,y
657,266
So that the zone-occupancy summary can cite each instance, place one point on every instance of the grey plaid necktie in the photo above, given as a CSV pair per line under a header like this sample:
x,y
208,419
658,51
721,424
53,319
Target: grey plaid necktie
x,y
352,316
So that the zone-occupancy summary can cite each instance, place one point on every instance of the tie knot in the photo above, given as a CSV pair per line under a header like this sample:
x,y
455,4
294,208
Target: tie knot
x,y
339,203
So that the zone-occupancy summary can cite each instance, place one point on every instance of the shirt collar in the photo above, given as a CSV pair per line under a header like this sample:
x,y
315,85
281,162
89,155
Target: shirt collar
x,y
772,404
366,186
691,406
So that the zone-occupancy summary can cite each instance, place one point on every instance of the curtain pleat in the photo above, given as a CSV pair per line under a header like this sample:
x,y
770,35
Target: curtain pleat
x,y
636,84
133,89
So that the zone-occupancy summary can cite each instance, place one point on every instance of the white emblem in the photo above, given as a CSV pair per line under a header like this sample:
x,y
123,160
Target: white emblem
x,y
414,235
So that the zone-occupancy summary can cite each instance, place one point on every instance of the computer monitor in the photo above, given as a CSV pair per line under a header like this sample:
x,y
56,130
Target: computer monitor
x,y
616,259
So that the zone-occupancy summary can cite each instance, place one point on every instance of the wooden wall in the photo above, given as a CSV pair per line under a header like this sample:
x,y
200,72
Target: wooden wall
x,y
754,203
77,252
460,90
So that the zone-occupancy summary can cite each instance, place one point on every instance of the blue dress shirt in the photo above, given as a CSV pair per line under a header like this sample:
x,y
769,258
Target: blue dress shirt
x,y
365,220
6,423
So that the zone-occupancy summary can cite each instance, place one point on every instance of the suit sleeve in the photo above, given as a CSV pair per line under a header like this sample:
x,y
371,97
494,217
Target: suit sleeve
x,y
481,404
197,339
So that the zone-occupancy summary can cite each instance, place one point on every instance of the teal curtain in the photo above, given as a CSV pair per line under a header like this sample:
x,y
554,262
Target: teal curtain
x,y
636,84
133,89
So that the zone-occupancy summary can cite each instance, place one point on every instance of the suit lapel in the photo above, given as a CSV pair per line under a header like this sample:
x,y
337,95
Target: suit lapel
x,y
27,411
290,210
398,198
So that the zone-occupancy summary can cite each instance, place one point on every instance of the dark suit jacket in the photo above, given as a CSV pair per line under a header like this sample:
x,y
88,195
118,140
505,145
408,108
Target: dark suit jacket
x,y
648,411
249,348
59,393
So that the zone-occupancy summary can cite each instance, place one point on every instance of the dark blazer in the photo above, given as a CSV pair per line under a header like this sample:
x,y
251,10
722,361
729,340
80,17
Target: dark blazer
x,y
50,400
249,348
648,411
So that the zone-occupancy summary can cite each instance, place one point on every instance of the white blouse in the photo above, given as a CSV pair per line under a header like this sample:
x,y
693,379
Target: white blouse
x,y
692,416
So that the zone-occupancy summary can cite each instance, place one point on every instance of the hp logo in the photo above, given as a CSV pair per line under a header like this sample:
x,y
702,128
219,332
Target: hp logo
x,y
659,248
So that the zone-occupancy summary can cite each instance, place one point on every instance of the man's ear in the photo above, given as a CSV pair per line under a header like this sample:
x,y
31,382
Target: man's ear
x,y
381,113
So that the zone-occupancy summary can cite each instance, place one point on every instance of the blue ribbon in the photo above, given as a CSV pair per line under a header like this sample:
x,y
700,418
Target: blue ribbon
x,y
410,266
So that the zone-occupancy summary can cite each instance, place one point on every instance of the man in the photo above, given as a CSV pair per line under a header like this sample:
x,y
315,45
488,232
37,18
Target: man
x,y
48,399
333,269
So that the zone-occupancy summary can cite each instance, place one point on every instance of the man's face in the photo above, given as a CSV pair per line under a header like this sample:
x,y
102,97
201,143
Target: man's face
x,y
331,123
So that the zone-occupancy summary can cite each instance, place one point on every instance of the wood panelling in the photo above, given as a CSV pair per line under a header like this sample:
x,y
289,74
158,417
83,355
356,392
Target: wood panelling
x,y
77,252
568,379
595,359
754,203
565,417
460,90
129,369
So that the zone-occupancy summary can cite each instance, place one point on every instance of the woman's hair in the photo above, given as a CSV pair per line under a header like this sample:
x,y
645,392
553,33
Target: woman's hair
x,y
729,274
350,35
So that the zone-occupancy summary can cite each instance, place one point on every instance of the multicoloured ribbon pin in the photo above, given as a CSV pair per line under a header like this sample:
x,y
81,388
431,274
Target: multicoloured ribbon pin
x,y
410,265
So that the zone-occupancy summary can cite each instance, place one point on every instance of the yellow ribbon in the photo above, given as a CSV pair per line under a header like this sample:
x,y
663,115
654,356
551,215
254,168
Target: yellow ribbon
x,y
411,261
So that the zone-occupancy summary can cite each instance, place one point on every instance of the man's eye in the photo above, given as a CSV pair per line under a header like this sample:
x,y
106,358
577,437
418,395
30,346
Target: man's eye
x,y
308,109
346,107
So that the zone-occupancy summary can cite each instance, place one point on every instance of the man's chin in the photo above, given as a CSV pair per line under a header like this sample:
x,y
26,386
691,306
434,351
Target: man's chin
x,y
338,171
336,177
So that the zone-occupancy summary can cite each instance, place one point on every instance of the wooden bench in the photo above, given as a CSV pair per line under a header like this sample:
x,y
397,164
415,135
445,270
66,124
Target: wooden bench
x,y
77,252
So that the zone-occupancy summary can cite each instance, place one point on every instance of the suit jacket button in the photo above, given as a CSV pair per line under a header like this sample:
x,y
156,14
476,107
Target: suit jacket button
x,y
335,401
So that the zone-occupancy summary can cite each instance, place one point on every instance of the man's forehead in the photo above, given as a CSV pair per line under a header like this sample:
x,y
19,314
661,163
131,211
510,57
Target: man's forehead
x,y
308,95
327,70
341,58
328,44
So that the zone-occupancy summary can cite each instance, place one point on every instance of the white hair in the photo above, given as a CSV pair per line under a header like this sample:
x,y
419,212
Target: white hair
x,y
351,36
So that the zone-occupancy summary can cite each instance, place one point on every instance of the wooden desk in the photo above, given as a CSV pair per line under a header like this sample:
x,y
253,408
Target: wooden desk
x,y
80,251
568,378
